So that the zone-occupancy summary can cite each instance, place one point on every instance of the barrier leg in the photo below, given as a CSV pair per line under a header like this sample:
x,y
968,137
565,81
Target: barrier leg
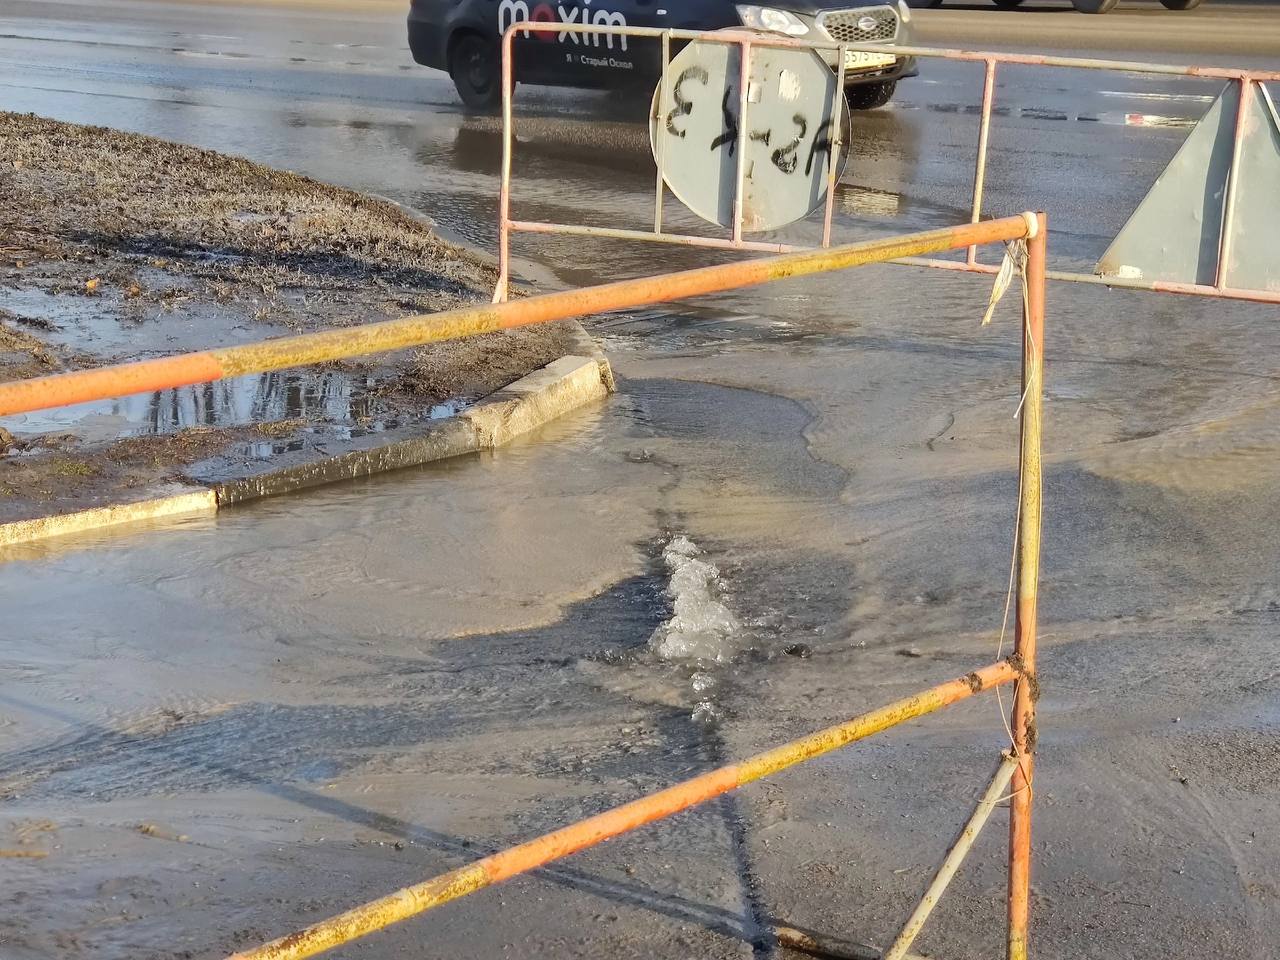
x,y
1024,697
955,856
501,290
984,138
740,179
1233,185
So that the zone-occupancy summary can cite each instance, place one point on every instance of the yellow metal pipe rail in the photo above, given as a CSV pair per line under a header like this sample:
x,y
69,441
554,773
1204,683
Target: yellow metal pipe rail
x,y
420,897
43,393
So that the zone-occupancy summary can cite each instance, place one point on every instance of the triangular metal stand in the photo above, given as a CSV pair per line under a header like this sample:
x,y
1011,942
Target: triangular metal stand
x,y
1175,234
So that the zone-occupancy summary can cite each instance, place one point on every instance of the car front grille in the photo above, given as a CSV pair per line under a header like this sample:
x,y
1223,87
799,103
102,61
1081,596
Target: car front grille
x,y
863,25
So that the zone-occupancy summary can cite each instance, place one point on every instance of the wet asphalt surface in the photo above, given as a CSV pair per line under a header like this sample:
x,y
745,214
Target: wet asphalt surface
x,y
316,699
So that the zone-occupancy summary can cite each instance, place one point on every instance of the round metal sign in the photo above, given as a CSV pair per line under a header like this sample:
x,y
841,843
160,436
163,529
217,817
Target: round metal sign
x,y
793,111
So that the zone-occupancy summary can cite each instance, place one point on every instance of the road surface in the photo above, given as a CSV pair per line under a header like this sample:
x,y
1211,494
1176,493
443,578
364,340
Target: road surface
x,y
221,730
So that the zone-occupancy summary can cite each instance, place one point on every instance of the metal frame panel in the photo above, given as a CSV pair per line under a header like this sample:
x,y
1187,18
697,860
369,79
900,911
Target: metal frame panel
x,y
991,61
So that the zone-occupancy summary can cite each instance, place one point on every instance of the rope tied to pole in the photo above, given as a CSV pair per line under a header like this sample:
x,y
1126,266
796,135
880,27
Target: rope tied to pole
x,y
1014,263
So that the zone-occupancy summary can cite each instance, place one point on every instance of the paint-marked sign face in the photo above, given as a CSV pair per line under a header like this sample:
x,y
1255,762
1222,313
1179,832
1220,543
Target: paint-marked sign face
x,y
793,113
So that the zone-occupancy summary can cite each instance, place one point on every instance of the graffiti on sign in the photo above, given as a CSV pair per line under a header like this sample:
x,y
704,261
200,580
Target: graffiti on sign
x,y
789,141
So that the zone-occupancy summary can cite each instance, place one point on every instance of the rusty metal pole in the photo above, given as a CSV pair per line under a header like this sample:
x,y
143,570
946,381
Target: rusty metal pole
x,y
837,142
740,180
660,134
502,290
1026,691
1233,185
984,139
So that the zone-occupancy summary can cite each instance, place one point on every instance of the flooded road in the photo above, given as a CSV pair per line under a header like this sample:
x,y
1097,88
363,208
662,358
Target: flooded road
x,y
220,729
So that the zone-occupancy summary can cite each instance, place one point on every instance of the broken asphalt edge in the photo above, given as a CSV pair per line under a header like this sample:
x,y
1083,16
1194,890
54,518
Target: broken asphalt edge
x,y
535,399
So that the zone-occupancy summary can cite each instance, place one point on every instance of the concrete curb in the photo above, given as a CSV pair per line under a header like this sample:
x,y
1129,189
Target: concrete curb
x,y
535,399
171,500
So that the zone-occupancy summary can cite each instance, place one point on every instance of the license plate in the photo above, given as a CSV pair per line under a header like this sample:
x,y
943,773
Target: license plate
x,y
861,60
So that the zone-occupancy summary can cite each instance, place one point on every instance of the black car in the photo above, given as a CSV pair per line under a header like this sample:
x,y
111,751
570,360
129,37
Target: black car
x,y
463,37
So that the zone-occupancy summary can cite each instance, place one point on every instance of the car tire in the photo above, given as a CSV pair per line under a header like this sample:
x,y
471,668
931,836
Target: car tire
x,y
1008,4
868,96
476,72
1181,4
1094,6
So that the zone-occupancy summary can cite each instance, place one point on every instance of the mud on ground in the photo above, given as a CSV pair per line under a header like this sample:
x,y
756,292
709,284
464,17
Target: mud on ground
x,y
115,246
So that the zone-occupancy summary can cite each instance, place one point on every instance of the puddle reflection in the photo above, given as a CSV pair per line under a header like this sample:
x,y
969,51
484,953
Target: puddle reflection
x,y
331,395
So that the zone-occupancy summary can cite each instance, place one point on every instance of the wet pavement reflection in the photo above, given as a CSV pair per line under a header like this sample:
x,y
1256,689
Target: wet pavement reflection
x,y
335,396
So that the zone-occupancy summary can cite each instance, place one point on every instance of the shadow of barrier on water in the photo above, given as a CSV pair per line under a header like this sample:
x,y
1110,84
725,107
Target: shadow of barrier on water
x,y
1014,773
96,743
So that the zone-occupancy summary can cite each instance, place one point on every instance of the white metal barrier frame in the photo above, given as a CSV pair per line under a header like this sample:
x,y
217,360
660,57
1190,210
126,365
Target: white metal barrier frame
x,y
746,40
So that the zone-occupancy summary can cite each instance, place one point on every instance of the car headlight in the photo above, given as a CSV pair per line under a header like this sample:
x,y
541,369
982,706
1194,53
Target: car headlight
x,y
904,12
776,21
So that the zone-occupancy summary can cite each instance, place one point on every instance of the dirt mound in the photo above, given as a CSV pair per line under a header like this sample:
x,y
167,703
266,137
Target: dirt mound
x,y
117,246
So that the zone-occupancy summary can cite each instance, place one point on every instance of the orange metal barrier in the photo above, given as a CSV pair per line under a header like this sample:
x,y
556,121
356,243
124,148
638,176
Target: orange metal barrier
x,y
747,39
48,392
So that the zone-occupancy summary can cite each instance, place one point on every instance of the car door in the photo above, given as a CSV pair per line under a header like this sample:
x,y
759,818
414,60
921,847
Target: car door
x,y
606,60
568,57
537,54
705,15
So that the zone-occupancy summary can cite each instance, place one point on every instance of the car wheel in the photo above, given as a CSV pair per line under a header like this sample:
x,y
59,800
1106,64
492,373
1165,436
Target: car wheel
x,y
1094,6
1008,4
868,96
1181,4
473,65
